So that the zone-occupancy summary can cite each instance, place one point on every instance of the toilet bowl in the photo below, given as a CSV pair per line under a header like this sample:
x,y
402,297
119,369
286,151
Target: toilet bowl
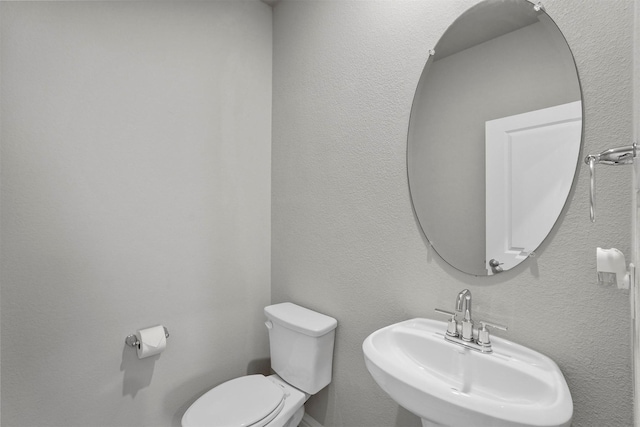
x,y
301,346
251,401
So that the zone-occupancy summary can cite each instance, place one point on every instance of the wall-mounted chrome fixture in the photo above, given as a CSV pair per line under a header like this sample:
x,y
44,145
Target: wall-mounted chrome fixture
x,y
149,341
134,341
613,157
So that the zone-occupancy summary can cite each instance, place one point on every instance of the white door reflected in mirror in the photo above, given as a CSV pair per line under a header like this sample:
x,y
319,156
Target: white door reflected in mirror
x,y
526,178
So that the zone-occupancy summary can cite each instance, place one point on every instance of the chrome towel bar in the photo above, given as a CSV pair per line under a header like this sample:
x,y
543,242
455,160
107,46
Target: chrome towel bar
x,y
612,157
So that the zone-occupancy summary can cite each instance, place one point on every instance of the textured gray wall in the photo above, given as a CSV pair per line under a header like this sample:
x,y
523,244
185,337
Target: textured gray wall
x,y
135,191
344,238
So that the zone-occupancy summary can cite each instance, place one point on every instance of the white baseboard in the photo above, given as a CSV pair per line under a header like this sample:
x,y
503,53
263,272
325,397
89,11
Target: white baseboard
x,y
307,421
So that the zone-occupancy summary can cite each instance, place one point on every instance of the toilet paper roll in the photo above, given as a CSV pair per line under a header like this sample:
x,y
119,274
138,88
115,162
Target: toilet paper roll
x,y
152,341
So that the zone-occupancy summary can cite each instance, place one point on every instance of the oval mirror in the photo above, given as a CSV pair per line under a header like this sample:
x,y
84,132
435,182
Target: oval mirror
x,y
494,136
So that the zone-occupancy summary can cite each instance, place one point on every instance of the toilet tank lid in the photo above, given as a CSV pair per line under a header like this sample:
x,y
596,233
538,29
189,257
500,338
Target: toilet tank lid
x,y
300,319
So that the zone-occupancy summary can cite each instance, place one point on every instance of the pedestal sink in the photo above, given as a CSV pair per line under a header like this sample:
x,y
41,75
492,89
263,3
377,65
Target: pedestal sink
x,y
449,385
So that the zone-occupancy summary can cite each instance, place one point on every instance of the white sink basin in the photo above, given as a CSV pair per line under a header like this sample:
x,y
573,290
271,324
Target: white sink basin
x,y
447,384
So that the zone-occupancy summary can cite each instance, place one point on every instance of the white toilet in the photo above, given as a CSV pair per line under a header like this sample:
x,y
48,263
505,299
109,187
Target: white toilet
x,y
301,343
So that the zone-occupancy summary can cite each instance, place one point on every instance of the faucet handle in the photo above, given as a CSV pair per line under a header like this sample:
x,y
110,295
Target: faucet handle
x,y
483,333
484,324
448,313
452,324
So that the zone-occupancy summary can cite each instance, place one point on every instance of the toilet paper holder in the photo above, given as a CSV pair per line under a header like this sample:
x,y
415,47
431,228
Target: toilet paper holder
x,y
133,340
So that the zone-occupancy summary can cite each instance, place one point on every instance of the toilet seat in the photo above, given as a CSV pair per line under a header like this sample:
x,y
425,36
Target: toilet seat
x,y
250,401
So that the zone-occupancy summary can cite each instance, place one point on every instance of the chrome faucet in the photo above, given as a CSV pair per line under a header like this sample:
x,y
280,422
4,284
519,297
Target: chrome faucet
x,y
463,304
463,333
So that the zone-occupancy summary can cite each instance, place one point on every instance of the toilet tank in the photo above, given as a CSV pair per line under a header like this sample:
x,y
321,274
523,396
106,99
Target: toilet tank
x,y
301,342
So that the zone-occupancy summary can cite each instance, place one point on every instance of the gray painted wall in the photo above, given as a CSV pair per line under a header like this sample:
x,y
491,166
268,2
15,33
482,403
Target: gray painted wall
x,y
135,191
112,149
344,238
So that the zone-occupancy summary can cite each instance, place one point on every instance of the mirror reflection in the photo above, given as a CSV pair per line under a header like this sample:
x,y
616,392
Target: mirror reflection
x,y
494,136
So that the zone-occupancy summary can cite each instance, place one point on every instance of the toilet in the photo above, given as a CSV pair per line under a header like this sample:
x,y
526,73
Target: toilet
x,y
301,343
